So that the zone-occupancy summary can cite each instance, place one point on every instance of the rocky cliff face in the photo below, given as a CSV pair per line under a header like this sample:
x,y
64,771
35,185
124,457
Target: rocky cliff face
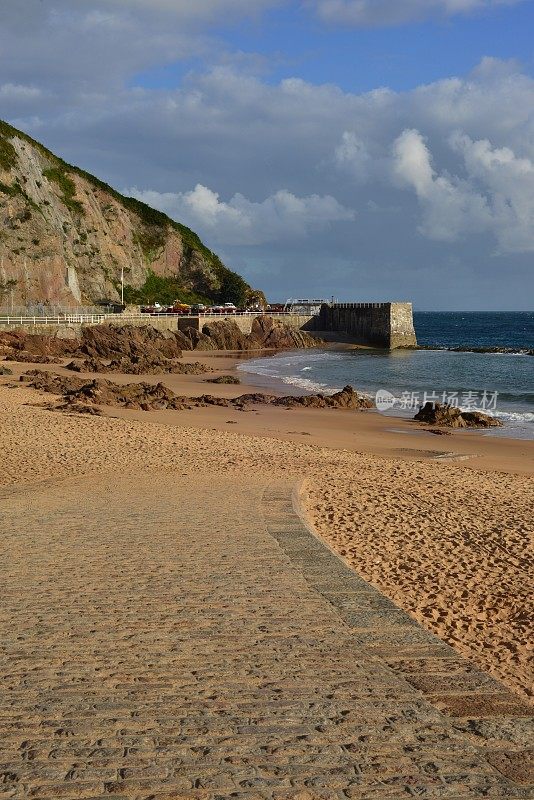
x,y
65,237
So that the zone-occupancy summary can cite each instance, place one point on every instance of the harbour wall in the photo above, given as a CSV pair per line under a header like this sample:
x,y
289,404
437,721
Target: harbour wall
x,y
384,325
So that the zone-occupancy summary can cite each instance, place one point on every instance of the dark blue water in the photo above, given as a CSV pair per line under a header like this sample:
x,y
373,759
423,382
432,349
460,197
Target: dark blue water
x,y
499,383
475,329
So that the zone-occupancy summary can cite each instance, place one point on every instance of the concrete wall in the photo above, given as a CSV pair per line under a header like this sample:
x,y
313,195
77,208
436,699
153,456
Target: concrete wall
x,y
387,325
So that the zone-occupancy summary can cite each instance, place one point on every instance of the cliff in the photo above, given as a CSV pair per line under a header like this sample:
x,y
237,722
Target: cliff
x,y
66,236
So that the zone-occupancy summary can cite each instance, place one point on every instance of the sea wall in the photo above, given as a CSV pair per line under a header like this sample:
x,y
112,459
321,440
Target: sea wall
x,y
385,325
73,329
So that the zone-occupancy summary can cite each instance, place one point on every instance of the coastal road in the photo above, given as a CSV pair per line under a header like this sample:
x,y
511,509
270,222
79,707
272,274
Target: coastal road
x,y
165,638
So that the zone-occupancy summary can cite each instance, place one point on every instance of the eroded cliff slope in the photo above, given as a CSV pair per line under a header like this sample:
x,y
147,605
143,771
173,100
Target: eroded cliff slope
x,y
65,236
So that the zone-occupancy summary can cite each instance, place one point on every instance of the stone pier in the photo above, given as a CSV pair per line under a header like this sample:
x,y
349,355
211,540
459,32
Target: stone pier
x,y
387,325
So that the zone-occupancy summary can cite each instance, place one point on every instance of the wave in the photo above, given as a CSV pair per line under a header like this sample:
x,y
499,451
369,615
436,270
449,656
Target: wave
x,y
308,385
514,416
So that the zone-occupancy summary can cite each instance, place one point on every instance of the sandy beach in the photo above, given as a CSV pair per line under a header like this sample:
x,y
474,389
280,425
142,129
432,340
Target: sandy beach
x,y
440,524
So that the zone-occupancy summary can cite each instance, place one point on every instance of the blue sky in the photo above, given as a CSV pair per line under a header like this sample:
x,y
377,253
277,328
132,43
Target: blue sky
x,y
289,42
371,149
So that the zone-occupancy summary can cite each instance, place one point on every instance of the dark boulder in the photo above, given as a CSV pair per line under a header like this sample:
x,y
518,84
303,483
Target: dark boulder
x,y
222,379
452,417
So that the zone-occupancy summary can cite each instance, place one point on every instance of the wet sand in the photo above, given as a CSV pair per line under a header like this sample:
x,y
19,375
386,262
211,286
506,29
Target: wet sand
x,y
441,524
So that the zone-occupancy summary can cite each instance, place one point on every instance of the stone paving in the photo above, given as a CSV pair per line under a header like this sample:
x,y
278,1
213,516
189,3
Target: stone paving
x,y
161,643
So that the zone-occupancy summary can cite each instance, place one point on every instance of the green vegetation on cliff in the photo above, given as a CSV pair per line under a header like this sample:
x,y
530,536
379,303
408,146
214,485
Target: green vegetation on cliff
x,y
8,154
162,290
201,276
68,189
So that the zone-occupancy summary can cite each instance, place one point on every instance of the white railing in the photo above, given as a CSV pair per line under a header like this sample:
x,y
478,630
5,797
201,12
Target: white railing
x,y
215,314
67,319
95,319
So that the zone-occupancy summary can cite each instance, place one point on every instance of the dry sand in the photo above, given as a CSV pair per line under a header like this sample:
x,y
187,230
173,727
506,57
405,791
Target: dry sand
x,y
448,540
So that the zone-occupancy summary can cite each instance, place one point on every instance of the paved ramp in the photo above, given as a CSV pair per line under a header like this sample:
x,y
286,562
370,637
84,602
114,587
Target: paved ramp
x,y
161,639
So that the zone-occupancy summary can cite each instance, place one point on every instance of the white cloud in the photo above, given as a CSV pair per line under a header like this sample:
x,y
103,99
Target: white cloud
x,y
450,206
240,221
13,91
509,183
496,195
353,156
392,12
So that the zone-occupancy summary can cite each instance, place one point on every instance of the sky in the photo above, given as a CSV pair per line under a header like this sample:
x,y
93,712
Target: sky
x,y
363,149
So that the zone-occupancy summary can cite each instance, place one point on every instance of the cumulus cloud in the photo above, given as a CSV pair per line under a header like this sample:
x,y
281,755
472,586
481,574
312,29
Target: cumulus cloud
x,y
393,12
496,195
450,206
509,183
243,222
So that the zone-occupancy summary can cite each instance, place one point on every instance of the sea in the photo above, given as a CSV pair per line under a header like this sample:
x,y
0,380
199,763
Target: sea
x,y
475,360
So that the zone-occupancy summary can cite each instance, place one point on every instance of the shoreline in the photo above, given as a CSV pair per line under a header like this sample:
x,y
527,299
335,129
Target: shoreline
x,y
366,431
513,428
440,524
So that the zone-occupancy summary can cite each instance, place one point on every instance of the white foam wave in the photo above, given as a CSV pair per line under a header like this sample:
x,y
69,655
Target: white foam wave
x,y
514,416
308,385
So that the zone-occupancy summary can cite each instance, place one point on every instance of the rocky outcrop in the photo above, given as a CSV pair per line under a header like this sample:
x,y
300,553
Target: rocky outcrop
x,y
225,334
104,348
347,398
130,342
67,237
144,349
149,397
275,334
225,379
266,334
139,366
16,345
452,417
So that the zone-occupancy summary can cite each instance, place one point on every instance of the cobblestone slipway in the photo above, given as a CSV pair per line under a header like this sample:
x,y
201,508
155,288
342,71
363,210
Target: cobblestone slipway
x,y
159,642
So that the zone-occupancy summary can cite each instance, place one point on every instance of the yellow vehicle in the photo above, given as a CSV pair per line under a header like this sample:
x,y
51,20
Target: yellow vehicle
x,y
180,308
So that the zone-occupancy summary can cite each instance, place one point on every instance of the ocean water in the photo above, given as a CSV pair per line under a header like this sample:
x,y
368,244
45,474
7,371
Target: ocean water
x,y
498,383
